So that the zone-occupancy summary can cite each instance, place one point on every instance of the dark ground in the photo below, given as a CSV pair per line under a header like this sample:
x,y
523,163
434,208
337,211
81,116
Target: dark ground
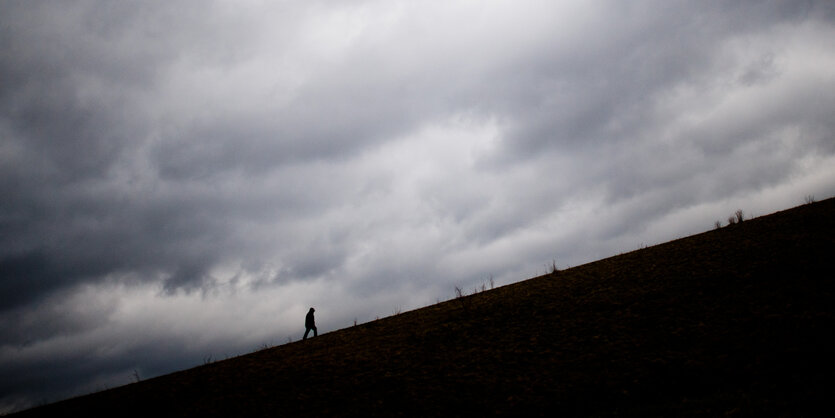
x,y
732,322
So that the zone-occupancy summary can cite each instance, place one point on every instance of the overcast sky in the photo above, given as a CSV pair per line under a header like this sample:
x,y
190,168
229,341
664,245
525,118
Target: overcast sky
x,y
182,180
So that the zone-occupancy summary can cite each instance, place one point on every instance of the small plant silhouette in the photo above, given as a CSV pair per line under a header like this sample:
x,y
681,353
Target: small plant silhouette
x,y
460,296
553,267
736,218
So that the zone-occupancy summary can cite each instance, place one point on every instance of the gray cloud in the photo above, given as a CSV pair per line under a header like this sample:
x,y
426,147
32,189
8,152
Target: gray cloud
x,y
186,178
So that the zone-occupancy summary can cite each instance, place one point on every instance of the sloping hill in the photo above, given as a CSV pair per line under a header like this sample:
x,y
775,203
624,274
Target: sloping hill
x,y
735,321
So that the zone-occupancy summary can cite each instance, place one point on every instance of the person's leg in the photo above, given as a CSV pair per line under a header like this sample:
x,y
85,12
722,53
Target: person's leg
x,y
307,330
314,332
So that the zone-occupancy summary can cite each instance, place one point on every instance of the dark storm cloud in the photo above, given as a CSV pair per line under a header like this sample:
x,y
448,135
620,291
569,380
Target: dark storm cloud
x,y
179,170
609,86
79,114
604,102
73,117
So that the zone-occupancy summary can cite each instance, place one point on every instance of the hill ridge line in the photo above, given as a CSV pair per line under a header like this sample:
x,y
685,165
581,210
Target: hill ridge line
x,y
730,320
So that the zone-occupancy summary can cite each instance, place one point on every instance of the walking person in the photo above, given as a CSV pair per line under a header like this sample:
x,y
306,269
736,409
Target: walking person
x,y
309,323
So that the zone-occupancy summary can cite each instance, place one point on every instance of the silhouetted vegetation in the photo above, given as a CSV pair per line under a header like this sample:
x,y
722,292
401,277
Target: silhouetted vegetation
x,y
730,322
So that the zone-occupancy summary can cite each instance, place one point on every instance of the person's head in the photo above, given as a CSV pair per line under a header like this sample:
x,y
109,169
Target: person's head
x,y
312,310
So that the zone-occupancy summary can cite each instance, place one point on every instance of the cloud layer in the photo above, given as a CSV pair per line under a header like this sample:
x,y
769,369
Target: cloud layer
x,y
181,180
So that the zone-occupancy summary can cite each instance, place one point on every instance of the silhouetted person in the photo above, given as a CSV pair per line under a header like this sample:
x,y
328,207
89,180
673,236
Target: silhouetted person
x,y
309,323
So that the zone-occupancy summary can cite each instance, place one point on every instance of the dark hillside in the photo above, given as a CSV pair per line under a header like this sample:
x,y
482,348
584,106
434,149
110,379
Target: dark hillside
x,y
735,321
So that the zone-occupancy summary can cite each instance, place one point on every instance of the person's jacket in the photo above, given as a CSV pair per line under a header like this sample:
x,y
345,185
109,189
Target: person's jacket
x,y
309,322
